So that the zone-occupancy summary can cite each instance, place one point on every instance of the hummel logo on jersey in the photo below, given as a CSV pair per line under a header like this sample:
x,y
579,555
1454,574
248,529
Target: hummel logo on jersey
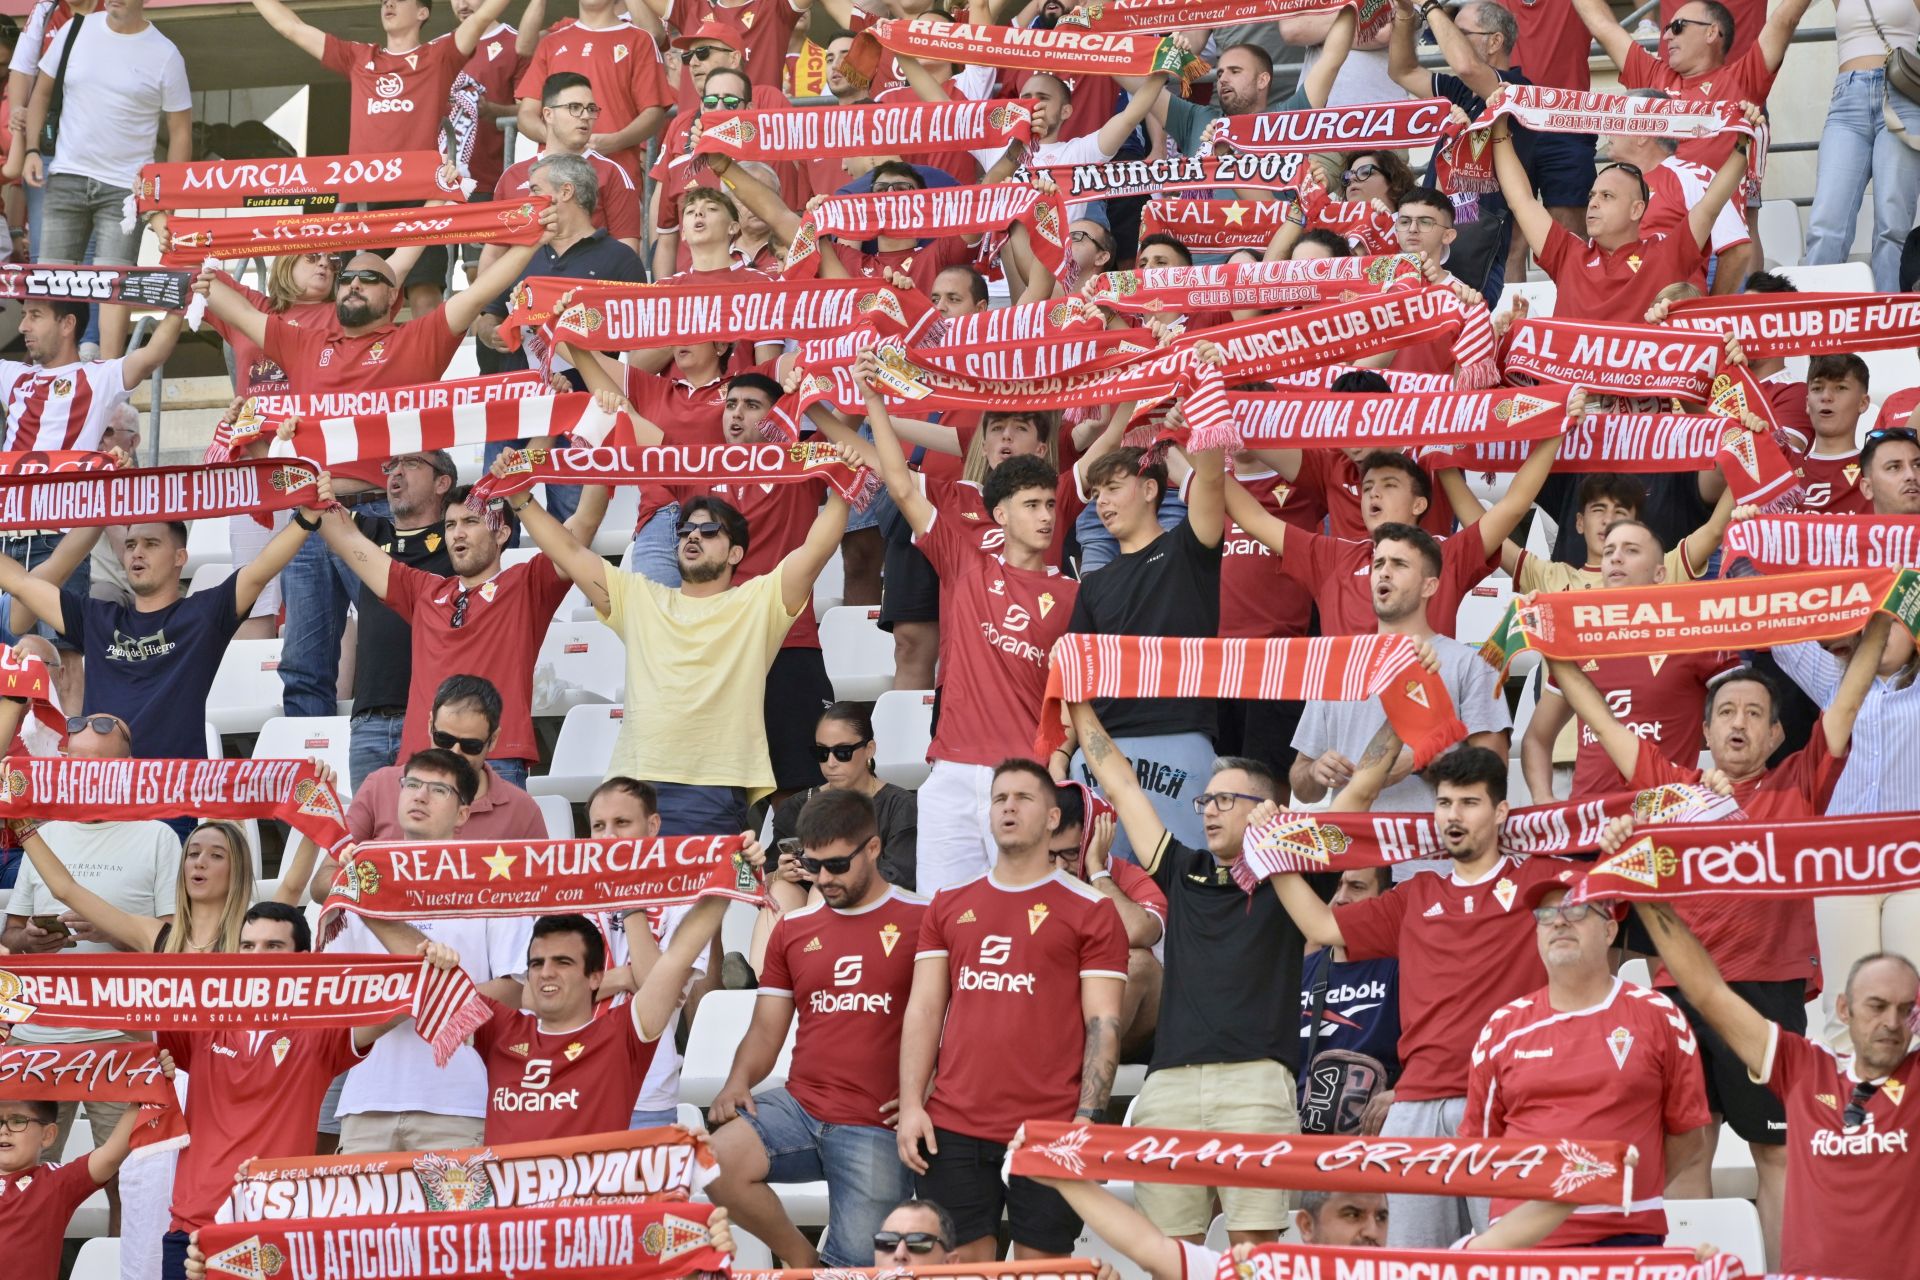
x,y
966,917
889,937
1036,916
1435,910
813,945
519,1049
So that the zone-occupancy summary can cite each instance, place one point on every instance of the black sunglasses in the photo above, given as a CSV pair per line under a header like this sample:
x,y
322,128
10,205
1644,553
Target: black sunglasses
x,y
841,751
1894,433
365,276
705,51
102,725
833,867
1679,25
700,528
916,1241
465,746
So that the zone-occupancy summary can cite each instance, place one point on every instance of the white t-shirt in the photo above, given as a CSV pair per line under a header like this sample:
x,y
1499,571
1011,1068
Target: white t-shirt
x,y
1364,77
661,1089
119,90
133,865
398,1072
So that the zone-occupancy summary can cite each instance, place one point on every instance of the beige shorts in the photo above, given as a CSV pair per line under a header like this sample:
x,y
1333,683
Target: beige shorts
x,y
408,1131
1232,1097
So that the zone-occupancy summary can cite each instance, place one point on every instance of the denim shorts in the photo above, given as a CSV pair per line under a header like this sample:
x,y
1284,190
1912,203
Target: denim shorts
x,y
860,1164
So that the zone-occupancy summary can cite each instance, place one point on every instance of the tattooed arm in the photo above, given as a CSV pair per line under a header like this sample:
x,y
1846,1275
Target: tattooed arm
x,y
343,537
1378,763
1100,1010
1114,772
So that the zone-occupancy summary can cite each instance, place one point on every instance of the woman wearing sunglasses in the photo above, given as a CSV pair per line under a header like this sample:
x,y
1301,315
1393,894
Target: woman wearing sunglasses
x,y
843,744
1376,175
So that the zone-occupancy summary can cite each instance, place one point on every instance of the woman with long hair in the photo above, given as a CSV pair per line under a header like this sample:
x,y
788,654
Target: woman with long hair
x,y
843,744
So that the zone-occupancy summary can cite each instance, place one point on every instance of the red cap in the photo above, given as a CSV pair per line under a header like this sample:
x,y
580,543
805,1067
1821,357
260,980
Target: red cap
x,y
713,30
1569,879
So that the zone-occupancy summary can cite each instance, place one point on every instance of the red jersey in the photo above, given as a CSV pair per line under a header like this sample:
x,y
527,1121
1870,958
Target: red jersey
x,y
766,27
1787,398
848,977
921,263
254,372
1464,950
1842,1184
496,66
255,1093
35,1206
1254,602
1612,284
1553,43
1758,939
617,211
399,99
1833,484
320,358
1897,408
779,517
1658,698
1001,623
561,1084
1332,478
965,499
1337,574
622,64
64,407
1745,78
1627,1069
502,622
1015,959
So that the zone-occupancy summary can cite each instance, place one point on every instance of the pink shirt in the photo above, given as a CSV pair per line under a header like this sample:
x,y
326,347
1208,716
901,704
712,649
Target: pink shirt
x,y
505,812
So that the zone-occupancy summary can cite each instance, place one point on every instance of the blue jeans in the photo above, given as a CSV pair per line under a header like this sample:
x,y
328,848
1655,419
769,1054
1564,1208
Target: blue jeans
x,y
656,547
375,744
690,810
32,550
860,1163
317,587
1097,546
1172,768
514,771
78,210
1856,146
654,1119
562,499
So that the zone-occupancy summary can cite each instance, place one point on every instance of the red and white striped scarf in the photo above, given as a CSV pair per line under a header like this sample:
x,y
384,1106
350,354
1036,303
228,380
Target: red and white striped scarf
x,y
331,442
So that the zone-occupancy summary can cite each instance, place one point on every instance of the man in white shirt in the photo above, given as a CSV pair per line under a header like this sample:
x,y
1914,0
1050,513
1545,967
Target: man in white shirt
x,y
122,78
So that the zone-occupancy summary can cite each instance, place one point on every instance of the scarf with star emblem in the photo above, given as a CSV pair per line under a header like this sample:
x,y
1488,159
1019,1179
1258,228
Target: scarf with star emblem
x,y
1789,544
411,880
581,1242
1866,853
868,129
1805,324
91,498
638,1166
77,790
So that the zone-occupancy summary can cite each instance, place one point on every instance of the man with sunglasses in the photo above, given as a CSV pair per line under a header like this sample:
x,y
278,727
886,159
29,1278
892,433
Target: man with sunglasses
x,y
1588,1054
1675,186
1849,1134
568,109
840,965
918,1233
621,61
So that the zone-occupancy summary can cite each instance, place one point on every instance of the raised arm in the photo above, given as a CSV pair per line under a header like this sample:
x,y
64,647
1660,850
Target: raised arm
x,y
1700,545
1855,681
1737,1022
801,567
133,932
761,199
1255,520
311,40
1318,83
1535,223
253,576
1206,496
1725,185
297,874
105,1160
36,595
463,308
1403,55
1613,38
890,460
1114,772
1469,66
1505,515
140,365
1619,742
343,537
1118,1223
1777,34
231,307
660,991
1114,133
573,559
466,36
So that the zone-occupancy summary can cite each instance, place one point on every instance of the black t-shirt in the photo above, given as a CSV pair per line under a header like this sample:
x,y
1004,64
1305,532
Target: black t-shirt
x,y
1170,587
154,670
1232,987
1674,510
384,667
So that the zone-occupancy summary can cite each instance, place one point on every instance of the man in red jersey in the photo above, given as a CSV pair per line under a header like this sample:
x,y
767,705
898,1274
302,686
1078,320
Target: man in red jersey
x,y
568,107
38,1199
556,1069
1003,610
1465,944
838,962
1588,1056
1010,966
1848,1131
623,63
1767,948
400,93
1836,397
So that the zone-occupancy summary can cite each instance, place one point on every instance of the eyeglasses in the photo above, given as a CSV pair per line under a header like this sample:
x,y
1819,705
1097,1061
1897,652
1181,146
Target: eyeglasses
x,y
1679,25
1222,800
438,790
1571,912
1424,223
459,618
1071,851
579,110
1360,173
699,529
702,52
1856,1112
1087,237
392,465
364,276
465,746
916,1241
320,260
102,725
832,866
723,102
841,751
18,1123
887,188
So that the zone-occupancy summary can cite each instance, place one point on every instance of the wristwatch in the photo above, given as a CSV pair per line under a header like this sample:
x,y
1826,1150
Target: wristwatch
x,y
300,518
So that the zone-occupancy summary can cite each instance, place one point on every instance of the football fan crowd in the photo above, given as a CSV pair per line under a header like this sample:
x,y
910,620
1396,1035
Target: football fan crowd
x,y
1451,762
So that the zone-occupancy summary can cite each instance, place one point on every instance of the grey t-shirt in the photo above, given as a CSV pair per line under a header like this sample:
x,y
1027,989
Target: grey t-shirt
x,y
1186,121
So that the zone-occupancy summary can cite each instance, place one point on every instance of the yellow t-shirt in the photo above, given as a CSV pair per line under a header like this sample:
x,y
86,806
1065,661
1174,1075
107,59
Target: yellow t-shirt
x,y
696,681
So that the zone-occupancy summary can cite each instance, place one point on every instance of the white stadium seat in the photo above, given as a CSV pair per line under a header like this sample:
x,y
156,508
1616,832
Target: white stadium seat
x,y
207,543
1636,973
1540,295
328,738
246,690
210,576
580,753
1482,608
1733,1172
579,663
559,816
902,728
616,530
858,654
1781,239
719,1024
1731,1225
830,588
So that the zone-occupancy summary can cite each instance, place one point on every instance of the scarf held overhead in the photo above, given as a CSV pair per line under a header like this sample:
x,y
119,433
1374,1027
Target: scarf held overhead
x,y
400,176
1161,15
1618,359
1112,178
1805,324
633,1166
190,241
93,498
1788,544
1060,50
99,1072
114,992
1570,1171
1326,668
581,1242
330,442
1238,285
1868,853
763,463
606,316
258,416
81,790
1369,126
1338,420
984,209
147,288
1295,1261
870,129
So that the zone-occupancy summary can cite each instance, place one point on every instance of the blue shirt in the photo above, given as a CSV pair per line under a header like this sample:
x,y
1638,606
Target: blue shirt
x,y
1362,1013
154,670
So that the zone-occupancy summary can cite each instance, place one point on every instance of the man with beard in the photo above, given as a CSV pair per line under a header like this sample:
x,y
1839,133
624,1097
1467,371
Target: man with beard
x,y
1890,471
479,620
1465,943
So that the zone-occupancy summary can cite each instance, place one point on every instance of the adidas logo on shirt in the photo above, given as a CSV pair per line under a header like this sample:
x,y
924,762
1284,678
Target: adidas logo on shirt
x,y
814,945
966,917
1435,910
520,1049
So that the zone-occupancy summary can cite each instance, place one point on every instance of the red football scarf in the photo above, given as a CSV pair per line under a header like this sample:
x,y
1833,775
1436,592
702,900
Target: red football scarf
x,y
40,462
1465,161
401,176
1370,126
1570,1171
1244,285
1296,1261
871,129
1021,322
99,1073
935,211
1269,172
405,880
144,288
767,462
1322,379
1501,419
1038,1269
582,1242
1054,355
606,316
1325,668
331,442
1618,359
91,498
79,790
302,991
1868,853
190,241
637,1166
1060,50
22,675
1216,226
1789,544
1160,15
1805,324
260,415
